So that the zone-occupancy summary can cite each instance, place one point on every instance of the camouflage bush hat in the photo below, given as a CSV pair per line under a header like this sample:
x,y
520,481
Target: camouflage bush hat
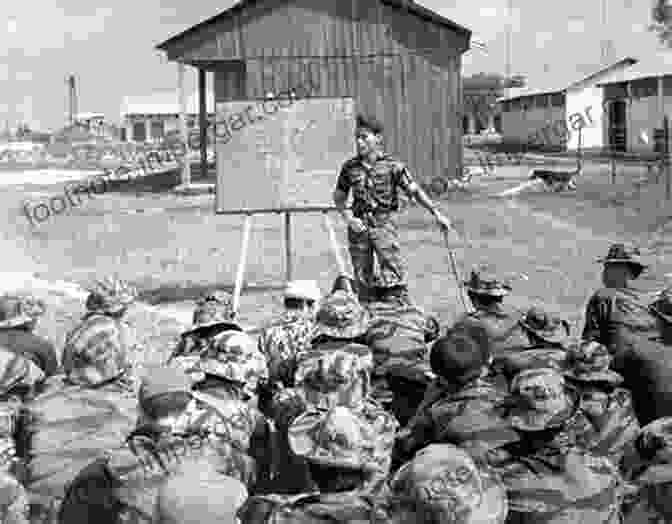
x,y
213,309
624,254
19,310
549,328
514,362
343,438
95,353
341,316
590,361
110,296
542,400
339,377
486,286
654,446
662,305
234,356
444,479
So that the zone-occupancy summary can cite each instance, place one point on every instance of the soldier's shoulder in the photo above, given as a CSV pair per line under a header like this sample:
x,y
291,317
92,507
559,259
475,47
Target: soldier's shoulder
x,y
351,163
604,293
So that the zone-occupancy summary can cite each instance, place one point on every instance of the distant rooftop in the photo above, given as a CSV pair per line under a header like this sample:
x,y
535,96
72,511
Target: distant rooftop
x,y
650,66
164,102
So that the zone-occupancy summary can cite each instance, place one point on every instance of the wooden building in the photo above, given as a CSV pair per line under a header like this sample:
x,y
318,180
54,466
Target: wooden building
x,y
395,58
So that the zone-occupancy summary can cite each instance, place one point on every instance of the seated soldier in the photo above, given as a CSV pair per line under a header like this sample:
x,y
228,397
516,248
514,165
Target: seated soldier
x,y
662,310
124,484
398,336
18,317
460,406
608,407
545,330
442,485
549,474
226,407
502,322
213,314
616,313
100,327
345,451
324,379
79,416
19,378
282,341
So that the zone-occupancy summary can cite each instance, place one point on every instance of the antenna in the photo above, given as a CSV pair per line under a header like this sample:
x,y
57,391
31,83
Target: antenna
x,y
606,43
72,99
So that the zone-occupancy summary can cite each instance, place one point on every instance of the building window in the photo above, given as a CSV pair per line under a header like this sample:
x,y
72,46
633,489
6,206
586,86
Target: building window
x,y
644,88
541,101
526,103
157,130
515,105
558,100
506,106
139,132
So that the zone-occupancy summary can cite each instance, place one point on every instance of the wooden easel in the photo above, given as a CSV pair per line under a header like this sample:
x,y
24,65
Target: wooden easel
x,y
287,212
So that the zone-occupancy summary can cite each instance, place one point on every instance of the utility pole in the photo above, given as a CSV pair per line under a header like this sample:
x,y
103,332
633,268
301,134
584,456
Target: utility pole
x,y
509,30
605,47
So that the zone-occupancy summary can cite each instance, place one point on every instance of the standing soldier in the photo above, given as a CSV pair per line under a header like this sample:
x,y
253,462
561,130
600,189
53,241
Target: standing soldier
x,y
375,179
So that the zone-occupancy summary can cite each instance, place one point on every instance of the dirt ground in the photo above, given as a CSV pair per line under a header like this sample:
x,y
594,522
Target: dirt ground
x,y
547,242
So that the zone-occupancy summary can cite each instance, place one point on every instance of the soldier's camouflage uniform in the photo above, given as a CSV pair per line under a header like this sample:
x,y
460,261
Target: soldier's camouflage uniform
x,y
281,342
375,201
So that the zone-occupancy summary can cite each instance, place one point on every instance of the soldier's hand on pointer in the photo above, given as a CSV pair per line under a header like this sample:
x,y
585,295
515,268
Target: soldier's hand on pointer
x,y
357,225
444,224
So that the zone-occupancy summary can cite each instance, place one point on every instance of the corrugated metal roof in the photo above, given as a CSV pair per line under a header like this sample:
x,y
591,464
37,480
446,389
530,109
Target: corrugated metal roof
x,y
562,85
650,66
163,103
412,7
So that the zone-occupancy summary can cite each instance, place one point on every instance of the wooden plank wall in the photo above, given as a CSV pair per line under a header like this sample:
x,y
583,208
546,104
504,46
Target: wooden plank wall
x,y
403,69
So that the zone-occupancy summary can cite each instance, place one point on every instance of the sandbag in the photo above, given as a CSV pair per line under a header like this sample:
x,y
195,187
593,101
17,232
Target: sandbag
x,y
69,427
646,366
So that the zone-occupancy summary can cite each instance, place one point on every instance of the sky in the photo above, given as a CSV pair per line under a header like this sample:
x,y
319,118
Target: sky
x,y
110,47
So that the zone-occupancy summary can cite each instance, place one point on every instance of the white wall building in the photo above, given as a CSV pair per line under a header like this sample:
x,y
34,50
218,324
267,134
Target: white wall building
x,y
148,118
540,115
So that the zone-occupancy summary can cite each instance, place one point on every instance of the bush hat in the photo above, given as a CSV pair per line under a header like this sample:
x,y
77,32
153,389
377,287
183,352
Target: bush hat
x,y
341,316
457,357
654,445
624,254
343,438
213,309
95,352
18,310
662,305
542,400
549,328
234,356
446,478
303,290
514,362
110,296
589,362
486,286
340,377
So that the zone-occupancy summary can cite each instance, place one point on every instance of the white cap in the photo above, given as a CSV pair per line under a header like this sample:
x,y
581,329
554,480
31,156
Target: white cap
x,y
303,290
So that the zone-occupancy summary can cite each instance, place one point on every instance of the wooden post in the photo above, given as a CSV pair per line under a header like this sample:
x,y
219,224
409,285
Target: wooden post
x,y
186,167
288,246
334,244
203,119
247,226
668,181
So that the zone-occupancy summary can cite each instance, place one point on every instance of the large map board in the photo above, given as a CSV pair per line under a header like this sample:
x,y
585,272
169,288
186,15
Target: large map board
x,y
281,154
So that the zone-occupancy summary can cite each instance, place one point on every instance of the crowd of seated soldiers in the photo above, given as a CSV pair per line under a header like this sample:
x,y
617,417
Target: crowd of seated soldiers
x,y
344,410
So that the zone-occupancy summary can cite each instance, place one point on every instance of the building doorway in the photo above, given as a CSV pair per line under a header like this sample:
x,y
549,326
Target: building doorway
x,y
617,125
